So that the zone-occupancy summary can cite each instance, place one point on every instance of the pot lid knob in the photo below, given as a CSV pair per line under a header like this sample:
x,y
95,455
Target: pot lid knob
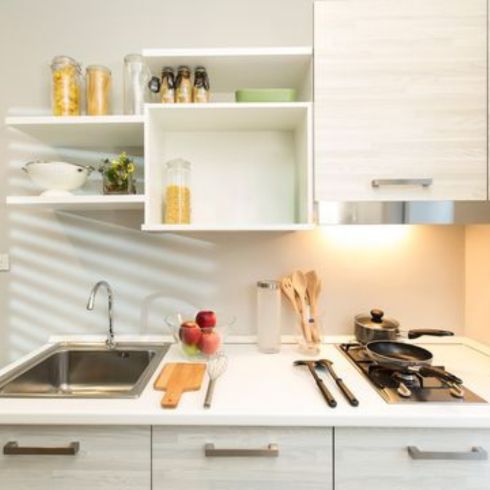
x,y
377,315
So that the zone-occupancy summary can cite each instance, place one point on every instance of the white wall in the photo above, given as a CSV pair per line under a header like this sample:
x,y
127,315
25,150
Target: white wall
x,y
415,273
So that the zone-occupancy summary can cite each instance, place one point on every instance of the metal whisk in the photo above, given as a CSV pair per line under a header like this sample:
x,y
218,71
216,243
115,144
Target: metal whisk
x,y
216,367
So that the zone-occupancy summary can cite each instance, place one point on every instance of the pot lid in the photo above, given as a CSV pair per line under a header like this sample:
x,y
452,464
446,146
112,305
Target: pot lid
x,y
376,319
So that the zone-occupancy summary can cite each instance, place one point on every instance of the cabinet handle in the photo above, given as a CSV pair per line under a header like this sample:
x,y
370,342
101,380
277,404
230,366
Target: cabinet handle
x,y
475,454
376,183
12,448
271,451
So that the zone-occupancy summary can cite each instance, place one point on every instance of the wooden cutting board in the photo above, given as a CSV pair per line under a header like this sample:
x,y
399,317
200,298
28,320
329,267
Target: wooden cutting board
x,y
177,378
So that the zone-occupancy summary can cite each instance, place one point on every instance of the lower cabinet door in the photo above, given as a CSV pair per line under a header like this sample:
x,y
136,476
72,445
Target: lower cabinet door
x,y
242,458
412,459
75,458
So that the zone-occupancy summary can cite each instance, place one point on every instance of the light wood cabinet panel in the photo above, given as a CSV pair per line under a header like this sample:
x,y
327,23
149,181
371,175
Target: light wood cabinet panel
x,y
304,460
113,458
378,459
400,93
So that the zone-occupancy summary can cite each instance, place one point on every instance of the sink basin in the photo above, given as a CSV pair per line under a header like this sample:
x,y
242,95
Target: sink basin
x,y
82,370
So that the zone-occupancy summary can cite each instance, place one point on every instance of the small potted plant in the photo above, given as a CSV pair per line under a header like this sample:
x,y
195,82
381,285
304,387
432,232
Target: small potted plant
x,y
118,175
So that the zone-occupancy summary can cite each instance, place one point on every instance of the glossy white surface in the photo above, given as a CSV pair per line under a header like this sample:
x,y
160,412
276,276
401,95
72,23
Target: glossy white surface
x,y
260,389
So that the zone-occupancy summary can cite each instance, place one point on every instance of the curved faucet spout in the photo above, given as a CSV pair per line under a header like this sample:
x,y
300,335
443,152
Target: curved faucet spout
x,y
90,306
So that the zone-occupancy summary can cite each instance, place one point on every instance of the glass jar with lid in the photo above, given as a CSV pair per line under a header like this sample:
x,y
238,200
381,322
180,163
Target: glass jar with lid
x,y
66,85
137,77
98,85
177,192
183,86
200,91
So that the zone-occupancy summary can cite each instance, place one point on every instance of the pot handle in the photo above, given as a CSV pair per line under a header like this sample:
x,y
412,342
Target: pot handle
x,y
415,334
440,373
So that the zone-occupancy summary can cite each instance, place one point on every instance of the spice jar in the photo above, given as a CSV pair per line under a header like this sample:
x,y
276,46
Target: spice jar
x,y
269,316
183,88
167,86
178,192
66,74
98,83
200,91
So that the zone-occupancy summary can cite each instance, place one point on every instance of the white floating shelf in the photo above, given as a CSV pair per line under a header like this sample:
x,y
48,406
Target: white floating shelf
x,y
230,69
80,202
82,131
224,228
230,116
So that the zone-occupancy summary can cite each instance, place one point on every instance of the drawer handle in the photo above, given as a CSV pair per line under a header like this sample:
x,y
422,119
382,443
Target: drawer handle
x,y
376,183
271,451
12,448
475,454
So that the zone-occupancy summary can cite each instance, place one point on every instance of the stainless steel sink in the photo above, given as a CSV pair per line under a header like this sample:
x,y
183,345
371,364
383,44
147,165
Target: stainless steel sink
x,y
81,370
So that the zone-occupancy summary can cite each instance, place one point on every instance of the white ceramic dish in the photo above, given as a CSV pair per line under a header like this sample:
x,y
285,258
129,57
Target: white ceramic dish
x,y
57,178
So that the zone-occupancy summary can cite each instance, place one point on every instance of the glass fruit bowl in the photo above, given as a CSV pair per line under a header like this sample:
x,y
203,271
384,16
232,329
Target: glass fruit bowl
x,y
200,334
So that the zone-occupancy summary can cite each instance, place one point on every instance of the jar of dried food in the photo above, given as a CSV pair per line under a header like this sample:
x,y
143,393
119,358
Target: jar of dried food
x,y
167,86
200,91
183,87
98,84
66,84
178,192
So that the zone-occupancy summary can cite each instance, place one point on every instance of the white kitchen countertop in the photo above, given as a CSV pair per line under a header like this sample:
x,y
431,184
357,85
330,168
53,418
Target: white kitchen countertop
x,y
266,389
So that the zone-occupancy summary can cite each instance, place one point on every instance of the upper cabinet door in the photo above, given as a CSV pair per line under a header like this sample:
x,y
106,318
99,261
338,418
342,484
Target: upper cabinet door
x,y
400,100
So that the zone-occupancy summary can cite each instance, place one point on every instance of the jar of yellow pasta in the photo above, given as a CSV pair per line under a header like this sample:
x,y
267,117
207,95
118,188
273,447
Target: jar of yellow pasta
x,y
66,85
177,205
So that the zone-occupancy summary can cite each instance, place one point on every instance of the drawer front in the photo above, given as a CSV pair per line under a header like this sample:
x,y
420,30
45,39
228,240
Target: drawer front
x,y
441,459
242,458
107,458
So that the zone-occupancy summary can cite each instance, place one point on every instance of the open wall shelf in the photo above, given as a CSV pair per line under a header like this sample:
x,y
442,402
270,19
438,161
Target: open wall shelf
x,y
230,69
251,162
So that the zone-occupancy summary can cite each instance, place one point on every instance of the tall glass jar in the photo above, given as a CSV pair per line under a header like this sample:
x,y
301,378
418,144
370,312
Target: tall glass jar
x,y
136,78
178,192
167,86
200,91
269,316
66,84
98,84
183,86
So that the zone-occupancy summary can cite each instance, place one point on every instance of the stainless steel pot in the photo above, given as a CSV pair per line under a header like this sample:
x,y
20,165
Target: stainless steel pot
x,y
374,326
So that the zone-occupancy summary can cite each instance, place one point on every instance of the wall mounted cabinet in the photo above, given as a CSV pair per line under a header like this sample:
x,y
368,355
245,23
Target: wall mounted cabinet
x,y
400,100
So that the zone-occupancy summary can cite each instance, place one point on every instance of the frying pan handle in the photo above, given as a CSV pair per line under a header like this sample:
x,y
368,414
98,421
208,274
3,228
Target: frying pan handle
x,y
415,334
440,373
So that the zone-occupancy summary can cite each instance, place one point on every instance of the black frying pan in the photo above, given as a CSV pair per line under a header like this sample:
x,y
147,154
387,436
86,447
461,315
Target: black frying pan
x,y
408,358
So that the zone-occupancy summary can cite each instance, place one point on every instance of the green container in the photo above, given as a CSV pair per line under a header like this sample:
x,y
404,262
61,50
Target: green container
x,y
266,95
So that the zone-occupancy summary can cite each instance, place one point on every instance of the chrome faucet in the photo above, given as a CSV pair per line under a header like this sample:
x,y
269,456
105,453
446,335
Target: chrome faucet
x,y
90,306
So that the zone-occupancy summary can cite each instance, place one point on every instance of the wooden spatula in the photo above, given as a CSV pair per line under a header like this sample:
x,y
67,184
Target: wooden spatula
x,y
177,378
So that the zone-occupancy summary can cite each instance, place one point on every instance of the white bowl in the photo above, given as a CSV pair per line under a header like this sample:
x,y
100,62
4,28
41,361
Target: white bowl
x,y
57,178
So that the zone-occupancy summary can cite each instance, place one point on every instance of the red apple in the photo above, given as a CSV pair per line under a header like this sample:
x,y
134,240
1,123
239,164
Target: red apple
x,y
209,343
190,333
206,319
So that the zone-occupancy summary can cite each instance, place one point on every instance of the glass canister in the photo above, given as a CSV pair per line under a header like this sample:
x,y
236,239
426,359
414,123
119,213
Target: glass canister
x,y
269,316
183,86
136,78
167,86
178,192
66,85
200,91
98,84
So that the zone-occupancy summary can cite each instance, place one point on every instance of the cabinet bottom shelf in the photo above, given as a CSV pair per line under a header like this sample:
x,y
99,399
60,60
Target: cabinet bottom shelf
x,y
159,228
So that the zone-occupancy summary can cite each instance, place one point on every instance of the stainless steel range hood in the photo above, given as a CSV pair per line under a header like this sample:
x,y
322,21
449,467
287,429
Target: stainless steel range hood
x,y
423,212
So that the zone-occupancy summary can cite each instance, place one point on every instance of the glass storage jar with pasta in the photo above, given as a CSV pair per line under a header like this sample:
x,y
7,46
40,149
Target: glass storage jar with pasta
x,y
98,84
178,192
66,74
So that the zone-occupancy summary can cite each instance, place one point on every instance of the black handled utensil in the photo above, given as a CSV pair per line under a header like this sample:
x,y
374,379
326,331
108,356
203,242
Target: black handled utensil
x,y
324,390
328,364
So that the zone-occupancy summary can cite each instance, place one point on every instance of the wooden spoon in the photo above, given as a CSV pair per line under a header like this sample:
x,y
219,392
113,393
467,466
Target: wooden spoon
x,y
313,288
299,284
287,289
